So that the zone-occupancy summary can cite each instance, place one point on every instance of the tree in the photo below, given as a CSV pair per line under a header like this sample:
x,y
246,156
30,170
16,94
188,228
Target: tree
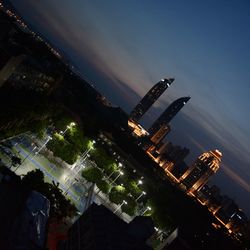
x,y
63,149
111,168
132,187
92,174
101,158
103,186
34,179
117,194
130,207
75,137
39,127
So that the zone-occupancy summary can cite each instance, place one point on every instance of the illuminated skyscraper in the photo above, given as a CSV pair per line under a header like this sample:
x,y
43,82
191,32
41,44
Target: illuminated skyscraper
x,y
198,174
149,99
168,115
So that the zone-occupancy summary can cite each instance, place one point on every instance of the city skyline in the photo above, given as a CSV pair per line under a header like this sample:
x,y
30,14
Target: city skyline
x,y
218,115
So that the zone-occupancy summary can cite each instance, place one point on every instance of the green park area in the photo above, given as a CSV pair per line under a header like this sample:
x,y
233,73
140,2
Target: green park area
x,y
69,143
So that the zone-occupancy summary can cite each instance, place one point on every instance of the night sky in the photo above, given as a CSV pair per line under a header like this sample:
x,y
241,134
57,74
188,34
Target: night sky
x,y
124,47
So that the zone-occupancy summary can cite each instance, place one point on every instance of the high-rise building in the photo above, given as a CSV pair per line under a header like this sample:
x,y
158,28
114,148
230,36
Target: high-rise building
x,y
160,134
168,115
149,99
198,174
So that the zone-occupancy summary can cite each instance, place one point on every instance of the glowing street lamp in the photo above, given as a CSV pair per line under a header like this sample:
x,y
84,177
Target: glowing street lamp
x,y
140,182
85,153
143,193
147,209
77,167
72,124
120,173
120,206
44,145
119,165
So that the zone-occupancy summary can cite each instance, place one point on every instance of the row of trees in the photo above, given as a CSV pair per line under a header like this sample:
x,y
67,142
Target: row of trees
x,y
125,188
68,141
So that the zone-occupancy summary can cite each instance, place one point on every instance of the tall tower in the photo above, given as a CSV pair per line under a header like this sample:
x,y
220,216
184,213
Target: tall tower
x,y
168,115
149,99
198,174
160,134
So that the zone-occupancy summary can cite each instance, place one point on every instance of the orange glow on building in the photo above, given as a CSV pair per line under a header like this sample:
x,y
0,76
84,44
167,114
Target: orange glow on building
x,y
198,174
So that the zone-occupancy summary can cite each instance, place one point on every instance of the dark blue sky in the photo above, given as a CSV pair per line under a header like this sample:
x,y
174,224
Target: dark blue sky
x,y
124,47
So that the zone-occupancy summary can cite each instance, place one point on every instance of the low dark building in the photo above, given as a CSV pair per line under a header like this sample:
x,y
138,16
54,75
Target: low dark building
x,y
99,228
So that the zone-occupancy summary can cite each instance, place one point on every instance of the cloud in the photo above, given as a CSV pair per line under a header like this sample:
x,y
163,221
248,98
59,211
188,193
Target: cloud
x,y
233,175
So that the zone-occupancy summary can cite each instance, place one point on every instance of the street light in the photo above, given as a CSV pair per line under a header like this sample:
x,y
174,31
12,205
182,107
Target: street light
x,y
143,193
147,209
78,166
85,153
26,158
115,170
120,173
140,182
123,202
49,138
72,124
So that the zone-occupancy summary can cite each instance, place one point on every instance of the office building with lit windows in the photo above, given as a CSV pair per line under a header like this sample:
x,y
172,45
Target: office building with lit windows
x,y
150,98
198,174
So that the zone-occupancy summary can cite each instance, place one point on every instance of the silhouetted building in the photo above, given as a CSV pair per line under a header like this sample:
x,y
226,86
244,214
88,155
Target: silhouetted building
x,y
198,174
149,99
98,228
168,115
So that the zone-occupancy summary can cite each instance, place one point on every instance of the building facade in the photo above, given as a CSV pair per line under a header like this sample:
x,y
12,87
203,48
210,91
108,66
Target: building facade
x,y
198,174
150,98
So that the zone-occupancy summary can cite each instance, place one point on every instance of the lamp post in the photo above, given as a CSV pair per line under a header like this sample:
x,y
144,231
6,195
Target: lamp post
x,y
143,193
140,182
85,153
26,158
147,209
120,206
120,173
45,143
119,165
72,124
